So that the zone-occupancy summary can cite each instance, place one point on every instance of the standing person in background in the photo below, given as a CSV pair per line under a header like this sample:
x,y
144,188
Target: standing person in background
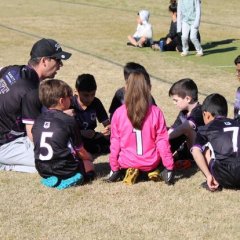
x,y
143,35
18,90
139,138
188,21
237,99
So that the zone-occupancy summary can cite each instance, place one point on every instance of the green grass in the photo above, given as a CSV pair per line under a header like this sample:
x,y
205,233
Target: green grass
x,y
96,34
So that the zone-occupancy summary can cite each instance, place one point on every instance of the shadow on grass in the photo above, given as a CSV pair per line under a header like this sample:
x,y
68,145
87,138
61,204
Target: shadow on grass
x,y
102,169
215,44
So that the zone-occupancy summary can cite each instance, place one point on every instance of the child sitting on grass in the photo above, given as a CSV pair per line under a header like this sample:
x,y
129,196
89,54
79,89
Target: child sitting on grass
x,y
143,35
139,139
185,96
88,109
217,146
59,154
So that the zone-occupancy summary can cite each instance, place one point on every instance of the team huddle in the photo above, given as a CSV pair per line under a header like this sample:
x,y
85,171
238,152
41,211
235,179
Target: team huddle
x,y
46,128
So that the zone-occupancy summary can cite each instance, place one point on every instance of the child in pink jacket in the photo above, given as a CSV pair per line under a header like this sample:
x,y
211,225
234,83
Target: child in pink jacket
x,y
139,138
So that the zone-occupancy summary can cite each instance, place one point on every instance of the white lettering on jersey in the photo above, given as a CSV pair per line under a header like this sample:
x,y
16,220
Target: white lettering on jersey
x,y
44,144
46,125
234,136
139,141
3,87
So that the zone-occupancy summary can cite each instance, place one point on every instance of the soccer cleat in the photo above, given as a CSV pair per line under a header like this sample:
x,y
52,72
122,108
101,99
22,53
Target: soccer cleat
x,y
50,181
199,53
167,176
114,176
205,186
154,175
69,182
131,176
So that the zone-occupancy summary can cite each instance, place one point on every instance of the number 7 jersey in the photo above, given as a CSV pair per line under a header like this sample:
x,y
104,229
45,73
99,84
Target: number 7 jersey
x,y
222,136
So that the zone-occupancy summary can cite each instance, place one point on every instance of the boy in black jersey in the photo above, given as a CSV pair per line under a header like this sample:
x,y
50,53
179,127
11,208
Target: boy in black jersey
x,y
59,154
217,146
185,96
87,109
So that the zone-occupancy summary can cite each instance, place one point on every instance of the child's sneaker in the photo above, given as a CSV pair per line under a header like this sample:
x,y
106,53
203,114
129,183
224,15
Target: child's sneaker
x,y
50,181
66,183
131,176
154,175
184,54
199,53
183,164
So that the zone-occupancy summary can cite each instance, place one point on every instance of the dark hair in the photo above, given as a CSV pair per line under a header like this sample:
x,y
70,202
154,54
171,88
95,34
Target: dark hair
x,y
86,83
173,6
216,104
51,90
137,98
237,60
132,67
184,87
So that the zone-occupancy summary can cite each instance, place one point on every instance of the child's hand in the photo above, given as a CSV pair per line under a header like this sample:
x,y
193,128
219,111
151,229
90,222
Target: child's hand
x,y
70,112
106,131
212,183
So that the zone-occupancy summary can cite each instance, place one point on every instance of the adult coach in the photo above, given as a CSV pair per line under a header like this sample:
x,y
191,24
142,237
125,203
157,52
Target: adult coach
x,y
19,96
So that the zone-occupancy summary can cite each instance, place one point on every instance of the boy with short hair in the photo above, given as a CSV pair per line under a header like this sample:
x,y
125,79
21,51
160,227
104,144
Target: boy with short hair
x,y
88,109
59,154
217,147
185,95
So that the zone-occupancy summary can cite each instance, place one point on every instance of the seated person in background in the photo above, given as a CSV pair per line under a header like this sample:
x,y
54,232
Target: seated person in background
x,y
217,146
87,109
143,35
59,154
172,41
118,99
183,132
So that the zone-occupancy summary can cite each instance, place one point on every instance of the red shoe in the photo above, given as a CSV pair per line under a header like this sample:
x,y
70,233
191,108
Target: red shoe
x,y
183,164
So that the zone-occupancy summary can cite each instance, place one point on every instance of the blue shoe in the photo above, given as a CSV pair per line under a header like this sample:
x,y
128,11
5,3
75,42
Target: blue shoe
x,y
161,45
66,183
50,181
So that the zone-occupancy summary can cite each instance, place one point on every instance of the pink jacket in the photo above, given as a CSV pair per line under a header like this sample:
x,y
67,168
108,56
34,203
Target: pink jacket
x,y
142,149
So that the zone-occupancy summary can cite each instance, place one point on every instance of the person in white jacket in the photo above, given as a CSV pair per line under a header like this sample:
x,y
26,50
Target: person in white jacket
x,y
188,21
143,35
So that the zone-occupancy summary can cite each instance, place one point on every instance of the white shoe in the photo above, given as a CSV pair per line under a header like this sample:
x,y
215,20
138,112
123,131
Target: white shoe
x,y
184,54
199,53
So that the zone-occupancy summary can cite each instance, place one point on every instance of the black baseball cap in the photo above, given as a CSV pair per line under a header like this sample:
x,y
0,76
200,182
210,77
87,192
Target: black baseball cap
x,y
48,48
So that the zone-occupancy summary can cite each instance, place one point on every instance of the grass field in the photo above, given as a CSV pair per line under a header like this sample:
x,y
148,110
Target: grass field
x,y
96,34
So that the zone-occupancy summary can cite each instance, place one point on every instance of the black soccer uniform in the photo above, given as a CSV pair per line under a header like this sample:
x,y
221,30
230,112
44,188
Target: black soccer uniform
x,y
196,118
15,83
88,120
222,137
118,101
56,138
32,107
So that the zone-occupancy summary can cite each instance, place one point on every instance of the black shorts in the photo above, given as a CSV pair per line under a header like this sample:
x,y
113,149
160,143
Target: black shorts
x,y
63,169
226,172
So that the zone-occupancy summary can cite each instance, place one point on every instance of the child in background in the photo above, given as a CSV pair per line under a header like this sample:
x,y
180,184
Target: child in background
x,y
139,139
59,154
88,109
237,99
188,21
143,35
118,99
217,146
185,95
